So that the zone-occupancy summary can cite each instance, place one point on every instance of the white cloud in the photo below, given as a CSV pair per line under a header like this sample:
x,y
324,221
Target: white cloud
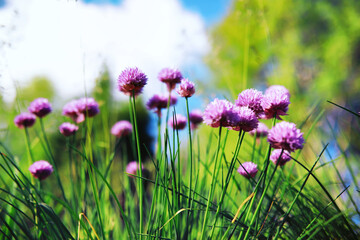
x,y
70,41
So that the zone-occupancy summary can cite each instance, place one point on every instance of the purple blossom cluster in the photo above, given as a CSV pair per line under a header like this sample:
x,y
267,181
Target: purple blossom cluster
x,y
121,129
41,169
178,122
131,81
78,109
159,102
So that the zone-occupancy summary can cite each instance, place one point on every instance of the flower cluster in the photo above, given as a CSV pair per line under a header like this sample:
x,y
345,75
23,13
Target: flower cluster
x,y
78,109
178,122
121,129
170,76
248,169
68,129
131,81
41,169
285,135
158,102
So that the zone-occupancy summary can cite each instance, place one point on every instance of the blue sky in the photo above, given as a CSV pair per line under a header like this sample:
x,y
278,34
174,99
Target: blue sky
x,y
211,10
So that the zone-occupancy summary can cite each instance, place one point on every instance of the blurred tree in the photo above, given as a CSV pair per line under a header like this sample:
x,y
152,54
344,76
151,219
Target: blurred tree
x,y
38,87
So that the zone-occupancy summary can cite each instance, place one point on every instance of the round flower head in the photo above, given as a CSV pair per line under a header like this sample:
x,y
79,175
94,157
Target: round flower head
x,y
68,129
24,120
158,102
248,169
88,106
132,81
275,103
121,128
280,160
285,135
132,168
261,131
219,113
186,88
71,110
40,107
278,88
41,169
170,76
251,98
195,118
245,121
178,122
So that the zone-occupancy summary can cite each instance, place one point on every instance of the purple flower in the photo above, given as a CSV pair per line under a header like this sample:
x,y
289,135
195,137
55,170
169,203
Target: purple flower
x,y
219,113
88,106
68,129
179,122
158,102
280,160
40,107
261,131
275,103
132,168
24,120
196,117
132,81
251,98
121,128
285,135
71,110
278,88
248,169
246,119
41,169
170,76
186,88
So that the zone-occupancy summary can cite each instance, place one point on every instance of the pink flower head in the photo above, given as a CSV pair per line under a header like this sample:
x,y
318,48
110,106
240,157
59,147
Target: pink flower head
x,y
278,88
251,98
170,76
186,88
285,135
178,122
219,113
68,129
248,169
41,169
275,103
261,131
132,81
158,102
280,160
246,119
121,128
88,106
40,107
132,168
196,117
24,120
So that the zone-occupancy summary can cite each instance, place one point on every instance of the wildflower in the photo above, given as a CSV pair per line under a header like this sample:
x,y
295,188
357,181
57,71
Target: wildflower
x,y
261,131
219,113
132,81
170,76
186,88
40,107
41,169
285,135
248,169
195,118
278,88
280,160
24,120
159,102
132,168
251,98
88,106
179,122
246,119
121,128
71,110
275,103
68,129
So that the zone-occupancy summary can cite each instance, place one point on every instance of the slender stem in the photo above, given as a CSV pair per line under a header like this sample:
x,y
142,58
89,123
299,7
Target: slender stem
x,y
212,186
191,163
27,138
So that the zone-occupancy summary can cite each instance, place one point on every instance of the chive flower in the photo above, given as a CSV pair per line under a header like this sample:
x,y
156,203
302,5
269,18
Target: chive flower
x,y
40,107
186,88
71,110
280,160
121,128
261,130
41,169
131,81
24,120
245,120
275,103
219,113
196,118
248,169
88,106
252,99
285,135
132,168
178,122
158,102
68,129
171,77
277,88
